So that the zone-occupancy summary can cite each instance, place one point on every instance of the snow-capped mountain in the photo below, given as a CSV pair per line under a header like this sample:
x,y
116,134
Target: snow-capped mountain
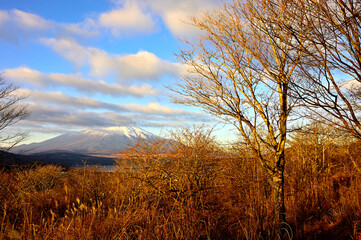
x,y
110,140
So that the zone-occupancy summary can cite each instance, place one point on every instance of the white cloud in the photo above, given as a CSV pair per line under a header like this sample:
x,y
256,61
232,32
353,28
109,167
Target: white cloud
x,y
176,14
51,107
61,116
154,108
130,18
4,16
16,24
68,49
88,28
63,99
176,21
29,20
36,78
23,75
140,15
59,110
140,66
352,84
59,98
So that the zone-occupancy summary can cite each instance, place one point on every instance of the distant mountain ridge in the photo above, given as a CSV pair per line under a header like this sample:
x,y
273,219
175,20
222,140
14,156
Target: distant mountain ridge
x,y
70,159
102,141
62,158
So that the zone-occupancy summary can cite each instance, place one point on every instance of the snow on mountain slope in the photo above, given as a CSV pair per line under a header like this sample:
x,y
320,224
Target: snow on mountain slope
x,y
89,141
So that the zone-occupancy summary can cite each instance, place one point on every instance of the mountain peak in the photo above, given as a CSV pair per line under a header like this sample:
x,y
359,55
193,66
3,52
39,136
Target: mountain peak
x,y
130,132
108,140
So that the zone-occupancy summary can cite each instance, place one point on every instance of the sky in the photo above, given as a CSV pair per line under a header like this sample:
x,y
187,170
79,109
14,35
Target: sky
x,y
99,63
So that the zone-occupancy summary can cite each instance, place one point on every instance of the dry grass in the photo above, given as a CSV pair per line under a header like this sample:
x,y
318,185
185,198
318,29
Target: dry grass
x,y
189,189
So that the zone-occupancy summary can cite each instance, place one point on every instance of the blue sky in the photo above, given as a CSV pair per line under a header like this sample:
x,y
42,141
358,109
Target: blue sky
x,y
91,63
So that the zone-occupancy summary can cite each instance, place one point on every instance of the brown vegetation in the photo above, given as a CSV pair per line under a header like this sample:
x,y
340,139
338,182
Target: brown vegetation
x,y
190,188
12,110
238,72
262,64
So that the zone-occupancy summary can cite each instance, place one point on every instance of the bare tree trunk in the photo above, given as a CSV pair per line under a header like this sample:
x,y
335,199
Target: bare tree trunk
x,y
240,73
279,198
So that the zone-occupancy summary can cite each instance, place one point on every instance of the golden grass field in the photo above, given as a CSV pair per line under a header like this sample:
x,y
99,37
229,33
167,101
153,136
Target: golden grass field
x,y
199,191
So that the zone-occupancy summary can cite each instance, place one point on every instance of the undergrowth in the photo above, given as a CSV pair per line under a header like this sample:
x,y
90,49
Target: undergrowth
x,y
189,188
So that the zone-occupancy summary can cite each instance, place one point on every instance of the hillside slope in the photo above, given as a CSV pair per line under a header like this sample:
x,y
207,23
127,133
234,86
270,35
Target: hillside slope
x,y
89,141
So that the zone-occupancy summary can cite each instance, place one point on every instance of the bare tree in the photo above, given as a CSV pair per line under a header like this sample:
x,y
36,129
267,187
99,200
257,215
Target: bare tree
x,y
184,165
240,72
321,142
11,111
329,32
